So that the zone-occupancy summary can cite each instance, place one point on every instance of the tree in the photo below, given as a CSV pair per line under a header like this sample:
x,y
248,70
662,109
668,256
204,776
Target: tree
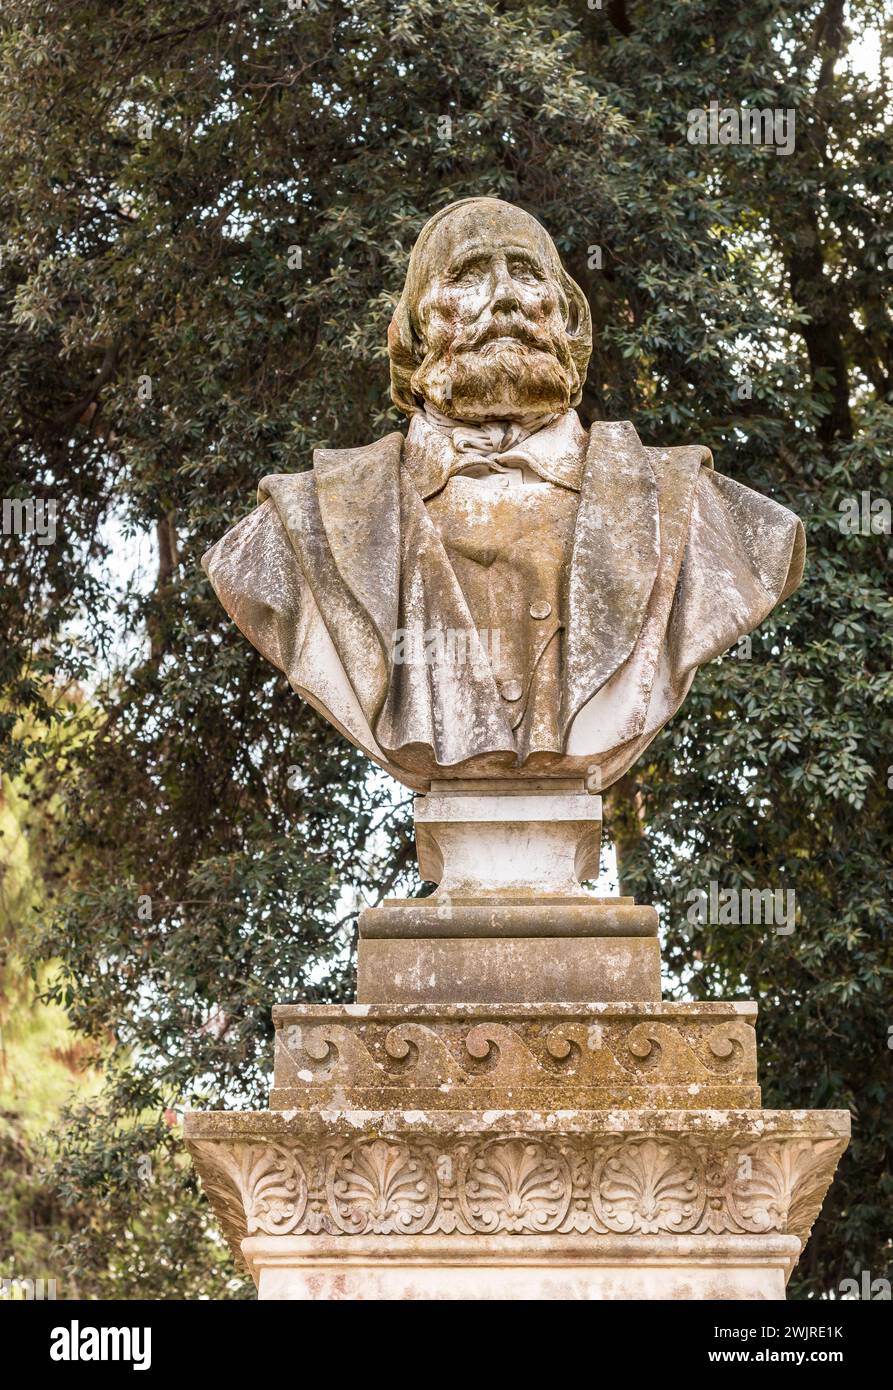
x,y
43,1064
208,209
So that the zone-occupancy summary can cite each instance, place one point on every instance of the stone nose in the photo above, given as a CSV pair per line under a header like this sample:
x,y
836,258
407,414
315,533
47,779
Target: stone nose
x,y
504,294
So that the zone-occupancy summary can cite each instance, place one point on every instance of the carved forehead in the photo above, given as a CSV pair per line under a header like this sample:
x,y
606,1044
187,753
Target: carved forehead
x,y
480,225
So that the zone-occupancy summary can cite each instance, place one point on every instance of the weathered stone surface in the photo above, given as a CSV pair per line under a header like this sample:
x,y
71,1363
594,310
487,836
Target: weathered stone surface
x,y
502,840
502,915
477,1185
524,1267
621,1056
507,970
501,593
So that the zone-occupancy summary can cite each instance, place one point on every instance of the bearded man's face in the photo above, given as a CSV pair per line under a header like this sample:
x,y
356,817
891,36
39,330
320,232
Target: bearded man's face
x,y
492,320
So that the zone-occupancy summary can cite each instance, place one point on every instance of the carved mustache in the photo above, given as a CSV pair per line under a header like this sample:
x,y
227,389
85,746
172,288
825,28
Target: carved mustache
x,y
525,333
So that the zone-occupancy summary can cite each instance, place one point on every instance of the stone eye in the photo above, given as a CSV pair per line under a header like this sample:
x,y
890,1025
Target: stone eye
x,y
523,270
467,272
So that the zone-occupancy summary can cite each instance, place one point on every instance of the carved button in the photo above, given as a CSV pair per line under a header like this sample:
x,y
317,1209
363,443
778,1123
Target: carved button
x,y
540,610
511,690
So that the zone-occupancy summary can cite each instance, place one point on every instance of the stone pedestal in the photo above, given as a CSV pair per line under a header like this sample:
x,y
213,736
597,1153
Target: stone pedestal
x,y
475,1204
510,921
523,1267
510,1111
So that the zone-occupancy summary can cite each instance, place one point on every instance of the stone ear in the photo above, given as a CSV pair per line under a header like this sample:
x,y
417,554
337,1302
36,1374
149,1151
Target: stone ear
x,y
579,329
579,319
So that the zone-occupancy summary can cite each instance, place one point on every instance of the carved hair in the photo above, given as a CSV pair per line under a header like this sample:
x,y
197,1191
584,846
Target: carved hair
x,y
405,348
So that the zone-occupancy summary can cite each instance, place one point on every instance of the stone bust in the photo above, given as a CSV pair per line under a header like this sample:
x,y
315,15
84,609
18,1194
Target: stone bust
x,y
500,593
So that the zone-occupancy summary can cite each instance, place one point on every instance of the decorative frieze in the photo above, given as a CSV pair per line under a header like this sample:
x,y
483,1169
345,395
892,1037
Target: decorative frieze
x,y
582,1056
626,1173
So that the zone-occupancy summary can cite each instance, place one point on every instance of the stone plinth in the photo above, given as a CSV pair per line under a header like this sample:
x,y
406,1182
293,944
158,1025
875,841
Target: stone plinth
x,y
476,838
477,1127
503,915
510,921
538,1268
502,1057
462,1204
507,969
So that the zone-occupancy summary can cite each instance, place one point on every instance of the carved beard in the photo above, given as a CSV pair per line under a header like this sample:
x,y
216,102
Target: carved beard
x,y
497,380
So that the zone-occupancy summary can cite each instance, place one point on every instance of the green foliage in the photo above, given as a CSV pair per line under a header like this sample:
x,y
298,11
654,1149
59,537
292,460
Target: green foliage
x,y
163,346
43,1064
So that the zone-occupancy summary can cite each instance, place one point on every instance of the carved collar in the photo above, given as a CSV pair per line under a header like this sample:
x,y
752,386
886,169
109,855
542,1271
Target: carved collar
x,y
555,453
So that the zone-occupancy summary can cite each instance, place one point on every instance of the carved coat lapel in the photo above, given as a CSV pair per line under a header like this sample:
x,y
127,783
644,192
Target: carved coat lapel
x,y
358,491
614,561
